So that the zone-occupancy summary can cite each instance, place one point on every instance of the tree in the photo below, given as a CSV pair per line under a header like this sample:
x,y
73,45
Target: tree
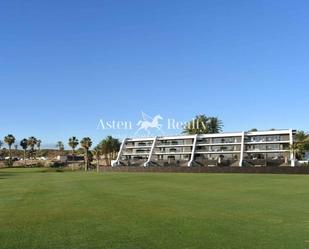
x,y
295,149
73,142
301,136
1,144
86,143
32,141
60,146
4,152
254,129
300,145
97,154
79,151
109,148
9,140
202,124
215,125
115,147
24,145
38,144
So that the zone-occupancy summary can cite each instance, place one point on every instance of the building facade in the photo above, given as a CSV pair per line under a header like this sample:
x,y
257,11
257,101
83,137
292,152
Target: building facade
x,y
260,148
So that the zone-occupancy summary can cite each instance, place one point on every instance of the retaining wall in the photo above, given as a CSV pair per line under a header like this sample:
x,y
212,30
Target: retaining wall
x,y
269,170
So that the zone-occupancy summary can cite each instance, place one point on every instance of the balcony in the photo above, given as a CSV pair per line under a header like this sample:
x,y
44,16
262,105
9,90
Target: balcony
x,y
266,148
219,141
172,153
218,149
267,139
168,143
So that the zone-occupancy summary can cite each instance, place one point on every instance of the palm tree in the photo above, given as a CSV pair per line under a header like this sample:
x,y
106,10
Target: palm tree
x,y
60,146
197,126
86,143
202,124
1,144
215,125
32,141
115,146
73,142
109,148
300,145
103,146
9,140
24,145
97,154
38,144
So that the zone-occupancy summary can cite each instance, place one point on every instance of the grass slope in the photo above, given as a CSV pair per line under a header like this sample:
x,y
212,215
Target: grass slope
x,y
146,210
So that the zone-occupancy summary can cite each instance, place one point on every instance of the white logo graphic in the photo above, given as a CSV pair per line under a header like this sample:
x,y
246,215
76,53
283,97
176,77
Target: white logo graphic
x,y
149,122
147,125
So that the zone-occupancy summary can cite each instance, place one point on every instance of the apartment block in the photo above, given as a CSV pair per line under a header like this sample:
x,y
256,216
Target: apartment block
x,y
259,148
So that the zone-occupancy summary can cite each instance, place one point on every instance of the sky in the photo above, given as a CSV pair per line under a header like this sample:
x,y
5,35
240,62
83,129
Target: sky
x,y
65,65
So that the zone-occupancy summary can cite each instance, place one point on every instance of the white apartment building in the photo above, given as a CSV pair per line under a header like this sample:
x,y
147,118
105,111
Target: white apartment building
x,y
260,148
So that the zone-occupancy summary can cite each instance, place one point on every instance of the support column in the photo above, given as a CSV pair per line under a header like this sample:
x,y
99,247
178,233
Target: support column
x,y
242,149
193,151
292,156
151,152
116,162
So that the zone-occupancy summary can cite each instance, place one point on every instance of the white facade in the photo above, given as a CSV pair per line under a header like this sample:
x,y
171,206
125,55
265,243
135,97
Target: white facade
x,y
258,148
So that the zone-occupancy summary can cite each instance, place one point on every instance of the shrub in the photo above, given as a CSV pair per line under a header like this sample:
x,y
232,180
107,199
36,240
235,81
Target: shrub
x,y
57,165
7,163
40,165
305,165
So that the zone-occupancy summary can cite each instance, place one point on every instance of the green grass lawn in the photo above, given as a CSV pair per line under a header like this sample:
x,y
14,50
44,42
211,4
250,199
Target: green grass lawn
x,y
152,210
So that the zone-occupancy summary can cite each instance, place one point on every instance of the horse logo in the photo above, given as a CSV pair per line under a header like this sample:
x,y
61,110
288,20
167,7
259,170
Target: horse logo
x,y
149,122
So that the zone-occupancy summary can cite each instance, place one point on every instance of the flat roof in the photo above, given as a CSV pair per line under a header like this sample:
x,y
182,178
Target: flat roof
x,y
222,134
